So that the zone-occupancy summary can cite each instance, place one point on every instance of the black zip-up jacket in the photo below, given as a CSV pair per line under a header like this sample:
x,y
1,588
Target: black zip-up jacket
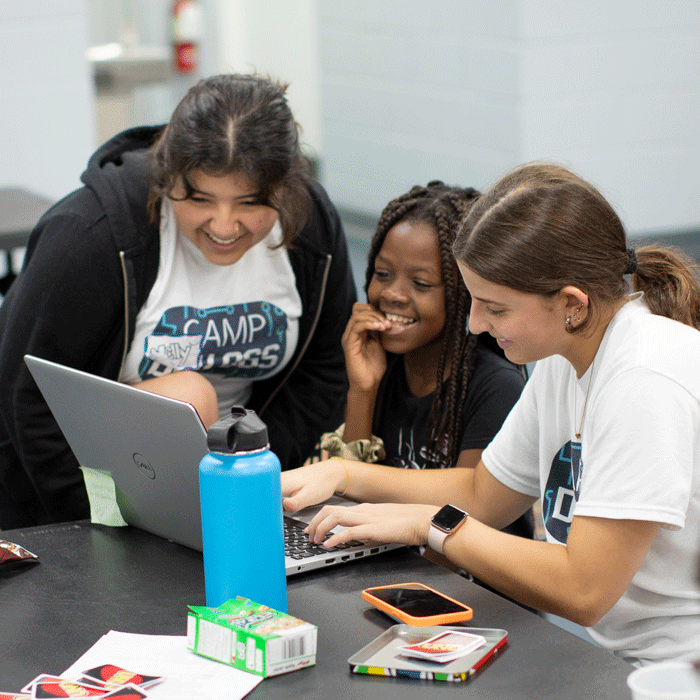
x,y
90,264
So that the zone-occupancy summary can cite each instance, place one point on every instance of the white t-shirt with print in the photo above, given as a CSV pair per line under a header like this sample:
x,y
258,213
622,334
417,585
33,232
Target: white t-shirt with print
x,y
234,323
638,458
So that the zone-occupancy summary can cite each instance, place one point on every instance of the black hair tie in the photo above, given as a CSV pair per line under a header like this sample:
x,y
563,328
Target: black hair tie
x,y
632,264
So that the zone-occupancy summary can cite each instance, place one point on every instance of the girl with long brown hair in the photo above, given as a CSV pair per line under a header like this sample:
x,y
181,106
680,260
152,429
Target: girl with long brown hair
x,y
605,432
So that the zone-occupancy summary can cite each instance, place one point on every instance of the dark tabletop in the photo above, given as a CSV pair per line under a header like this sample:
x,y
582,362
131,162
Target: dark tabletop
x,y
92,579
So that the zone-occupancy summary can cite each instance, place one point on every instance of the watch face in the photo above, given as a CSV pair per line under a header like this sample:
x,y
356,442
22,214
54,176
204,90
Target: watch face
x,y
448,517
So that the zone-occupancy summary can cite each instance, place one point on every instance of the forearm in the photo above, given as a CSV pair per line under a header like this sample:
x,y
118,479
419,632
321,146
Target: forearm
x,y
580,581
359,413
374,483
497,559
473,490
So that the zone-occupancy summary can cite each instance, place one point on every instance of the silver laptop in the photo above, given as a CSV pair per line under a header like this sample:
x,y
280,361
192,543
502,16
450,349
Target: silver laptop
x,y
152,446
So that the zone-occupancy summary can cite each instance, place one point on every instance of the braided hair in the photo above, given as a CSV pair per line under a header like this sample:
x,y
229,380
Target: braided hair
x,y
443,207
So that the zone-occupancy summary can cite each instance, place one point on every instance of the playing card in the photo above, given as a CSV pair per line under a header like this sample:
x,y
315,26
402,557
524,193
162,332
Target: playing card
x,y
126,692
444,647
46,686
112,675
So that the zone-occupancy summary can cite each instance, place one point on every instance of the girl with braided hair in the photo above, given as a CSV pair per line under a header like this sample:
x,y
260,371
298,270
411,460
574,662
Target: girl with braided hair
x,y
432,392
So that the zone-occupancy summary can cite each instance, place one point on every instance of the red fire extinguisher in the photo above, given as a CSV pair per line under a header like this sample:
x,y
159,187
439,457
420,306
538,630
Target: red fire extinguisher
x,y
187,29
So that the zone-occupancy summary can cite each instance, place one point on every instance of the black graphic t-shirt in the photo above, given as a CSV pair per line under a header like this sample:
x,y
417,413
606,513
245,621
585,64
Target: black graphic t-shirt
x,y
493,389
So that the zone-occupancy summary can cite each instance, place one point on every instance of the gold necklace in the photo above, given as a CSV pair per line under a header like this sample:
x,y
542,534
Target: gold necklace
x,y
585,402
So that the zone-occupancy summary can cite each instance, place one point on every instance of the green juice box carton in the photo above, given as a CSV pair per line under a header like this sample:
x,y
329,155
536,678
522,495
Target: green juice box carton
x,y
251,637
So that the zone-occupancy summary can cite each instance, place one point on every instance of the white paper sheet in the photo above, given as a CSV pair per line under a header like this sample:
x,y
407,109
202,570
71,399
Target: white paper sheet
x,y
187,674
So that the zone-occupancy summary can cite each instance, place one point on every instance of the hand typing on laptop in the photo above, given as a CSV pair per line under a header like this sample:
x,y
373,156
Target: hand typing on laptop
x,y
380,523
312,484
372,523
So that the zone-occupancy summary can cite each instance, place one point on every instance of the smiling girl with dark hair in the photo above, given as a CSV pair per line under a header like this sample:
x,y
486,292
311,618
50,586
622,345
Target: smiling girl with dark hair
x,y
430,391
200,261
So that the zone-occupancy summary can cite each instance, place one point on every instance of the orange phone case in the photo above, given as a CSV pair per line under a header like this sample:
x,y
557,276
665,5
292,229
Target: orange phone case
x,y
427,621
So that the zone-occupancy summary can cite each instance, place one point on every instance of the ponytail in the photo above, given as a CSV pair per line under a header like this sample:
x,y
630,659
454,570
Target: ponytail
x,y
541,228
669,280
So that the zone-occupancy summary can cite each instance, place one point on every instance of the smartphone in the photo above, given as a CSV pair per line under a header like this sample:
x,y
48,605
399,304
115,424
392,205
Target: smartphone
x,y
417,605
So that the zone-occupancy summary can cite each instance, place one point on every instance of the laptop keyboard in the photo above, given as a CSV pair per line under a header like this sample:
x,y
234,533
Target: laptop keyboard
x,y
298,546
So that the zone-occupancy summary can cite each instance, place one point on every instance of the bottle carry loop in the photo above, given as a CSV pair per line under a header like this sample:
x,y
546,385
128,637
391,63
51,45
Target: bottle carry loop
x,y
242,431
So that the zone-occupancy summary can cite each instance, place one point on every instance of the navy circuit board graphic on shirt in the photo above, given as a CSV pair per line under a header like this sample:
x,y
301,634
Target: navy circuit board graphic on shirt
x,y
241,340
562,491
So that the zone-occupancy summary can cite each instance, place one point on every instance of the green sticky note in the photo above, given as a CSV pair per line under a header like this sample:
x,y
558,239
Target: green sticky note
x,y
103,498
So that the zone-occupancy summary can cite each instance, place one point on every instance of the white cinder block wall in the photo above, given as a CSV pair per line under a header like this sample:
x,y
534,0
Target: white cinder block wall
x,y
465,90
46,120
409,91
412,91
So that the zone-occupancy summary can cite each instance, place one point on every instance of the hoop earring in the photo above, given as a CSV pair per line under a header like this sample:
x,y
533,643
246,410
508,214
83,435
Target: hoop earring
x,y
577,318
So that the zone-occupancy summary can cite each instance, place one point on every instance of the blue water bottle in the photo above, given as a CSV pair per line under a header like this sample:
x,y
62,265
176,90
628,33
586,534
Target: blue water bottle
x,y
241,497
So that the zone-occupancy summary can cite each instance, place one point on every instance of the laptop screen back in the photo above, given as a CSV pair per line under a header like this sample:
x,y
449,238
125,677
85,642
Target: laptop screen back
x,y
150,444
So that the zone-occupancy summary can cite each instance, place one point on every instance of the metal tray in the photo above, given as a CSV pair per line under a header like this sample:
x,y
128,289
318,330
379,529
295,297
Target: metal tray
x,y
381,657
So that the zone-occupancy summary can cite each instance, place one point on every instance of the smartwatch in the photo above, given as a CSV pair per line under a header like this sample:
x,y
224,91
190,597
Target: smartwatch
x,y
446,521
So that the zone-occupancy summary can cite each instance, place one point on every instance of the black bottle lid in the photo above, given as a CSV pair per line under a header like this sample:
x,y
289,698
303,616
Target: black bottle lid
x,y
242,431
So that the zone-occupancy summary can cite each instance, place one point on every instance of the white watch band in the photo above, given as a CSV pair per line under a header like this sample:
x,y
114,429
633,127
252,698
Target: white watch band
x,y
436,539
